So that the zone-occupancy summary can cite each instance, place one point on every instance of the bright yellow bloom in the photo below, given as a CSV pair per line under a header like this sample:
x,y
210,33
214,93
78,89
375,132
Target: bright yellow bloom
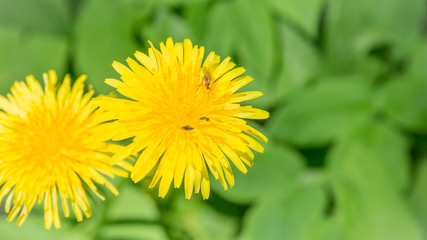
x,y
50,143
184,115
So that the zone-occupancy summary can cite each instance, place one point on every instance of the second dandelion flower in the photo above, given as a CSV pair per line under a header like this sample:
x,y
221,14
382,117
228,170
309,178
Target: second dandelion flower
x,y
52,147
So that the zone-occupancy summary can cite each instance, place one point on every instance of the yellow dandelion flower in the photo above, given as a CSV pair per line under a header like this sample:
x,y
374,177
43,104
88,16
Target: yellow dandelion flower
x,y
50,143
185,116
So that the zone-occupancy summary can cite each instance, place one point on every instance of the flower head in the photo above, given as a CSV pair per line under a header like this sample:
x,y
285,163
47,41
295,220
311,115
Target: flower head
x,y
185,116
50,143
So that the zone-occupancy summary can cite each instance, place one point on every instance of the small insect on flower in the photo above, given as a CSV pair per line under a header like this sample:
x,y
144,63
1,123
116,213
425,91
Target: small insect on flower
x,y
51,147
206,77
188,128
178,128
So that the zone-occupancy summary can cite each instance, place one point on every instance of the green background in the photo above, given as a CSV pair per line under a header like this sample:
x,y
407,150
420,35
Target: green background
x,y
345,82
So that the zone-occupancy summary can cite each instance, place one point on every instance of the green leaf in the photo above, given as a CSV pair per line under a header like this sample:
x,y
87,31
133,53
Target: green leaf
x,y
417,60
304,13
134,231
33,228
200,221
419,195
276,169
330,229
323,112
219,32
29,53
175,3
357,28
404,99
300,62
48,16
296,215
132,203
104,33
198,22
369,170
166,24
386,148
33,39
254,28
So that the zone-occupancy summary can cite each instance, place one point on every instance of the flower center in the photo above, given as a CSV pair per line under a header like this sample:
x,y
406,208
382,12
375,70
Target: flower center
x,y
45,140
187,109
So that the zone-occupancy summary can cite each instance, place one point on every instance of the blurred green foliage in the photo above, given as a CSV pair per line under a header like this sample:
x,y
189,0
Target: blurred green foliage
x,y
345,82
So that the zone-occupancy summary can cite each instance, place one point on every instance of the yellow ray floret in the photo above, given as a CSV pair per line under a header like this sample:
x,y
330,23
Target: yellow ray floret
x,y
51,146
184,115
